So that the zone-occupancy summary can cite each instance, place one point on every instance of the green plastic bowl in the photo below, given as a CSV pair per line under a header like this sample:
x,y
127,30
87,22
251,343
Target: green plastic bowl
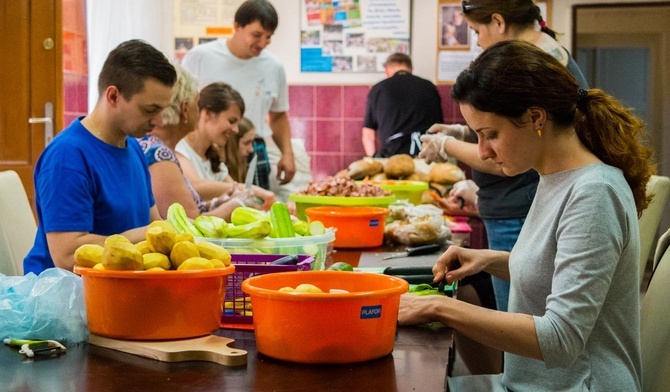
x,y
302,202
402,189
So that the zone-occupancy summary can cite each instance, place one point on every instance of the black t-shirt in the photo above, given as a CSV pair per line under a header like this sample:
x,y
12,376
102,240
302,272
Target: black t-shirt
x,y
400,109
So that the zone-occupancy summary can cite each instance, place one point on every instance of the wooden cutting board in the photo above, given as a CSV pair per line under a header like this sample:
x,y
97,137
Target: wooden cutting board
x,y
210,348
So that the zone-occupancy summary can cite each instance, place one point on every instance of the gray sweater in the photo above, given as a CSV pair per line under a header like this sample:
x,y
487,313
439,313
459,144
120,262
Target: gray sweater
x,y
575,269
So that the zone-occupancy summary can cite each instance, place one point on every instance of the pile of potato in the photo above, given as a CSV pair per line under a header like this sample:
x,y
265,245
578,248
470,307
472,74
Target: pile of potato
x,y
163,249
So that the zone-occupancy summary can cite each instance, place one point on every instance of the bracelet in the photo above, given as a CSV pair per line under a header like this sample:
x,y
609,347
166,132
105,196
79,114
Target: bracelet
x,y
443,154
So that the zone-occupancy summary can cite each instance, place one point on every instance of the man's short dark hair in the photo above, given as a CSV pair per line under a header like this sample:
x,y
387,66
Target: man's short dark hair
x,y
399,58
257,10
130,64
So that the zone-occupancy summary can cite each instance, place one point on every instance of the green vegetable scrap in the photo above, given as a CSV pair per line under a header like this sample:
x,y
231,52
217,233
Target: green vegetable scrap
x,y
245,215
424,289
211,226
176,215
255,230
341,266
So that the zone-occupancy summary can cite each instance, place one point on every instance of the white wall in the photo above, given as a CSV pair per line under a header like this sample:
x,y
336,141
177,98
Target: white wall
x,y
112,21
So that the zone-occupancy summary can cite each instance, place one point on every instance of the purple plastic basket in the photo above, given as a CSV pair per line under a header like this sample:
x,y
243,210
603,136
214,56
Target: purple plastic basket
x,y
245,266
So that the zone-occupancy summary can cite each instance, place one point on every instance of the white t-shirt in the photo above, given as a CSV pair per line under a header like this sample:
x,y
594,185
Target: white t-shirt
x,y
202,166
260,80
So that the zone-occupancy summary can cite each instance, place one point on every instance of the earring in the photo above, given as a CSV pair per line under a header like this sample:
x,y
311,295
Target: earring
x,y
539,132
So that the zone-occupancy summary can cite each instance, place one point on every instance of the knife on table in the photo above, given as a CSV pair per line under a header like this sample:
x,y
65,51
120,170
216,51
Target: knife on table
x,y
416,251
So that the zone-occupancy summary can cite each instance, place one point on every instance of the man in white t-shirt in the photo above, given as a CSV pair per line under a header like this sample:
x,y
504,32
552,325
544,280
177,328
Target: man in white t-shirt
x,y
259,77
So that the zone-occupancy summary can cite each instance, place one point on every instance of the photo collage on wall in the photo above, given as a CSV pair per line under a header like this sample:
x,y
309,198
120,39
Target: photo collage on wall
x,y
352,35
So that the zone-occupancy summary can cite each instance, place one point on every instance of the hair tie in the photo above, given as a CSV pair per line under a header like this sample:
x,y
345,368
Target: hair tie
x,y
543,24
581,99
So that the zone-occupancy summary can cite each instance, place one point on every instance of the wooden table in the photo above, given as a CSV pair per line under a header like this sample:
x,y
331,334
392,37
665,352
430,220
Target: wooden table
x,y
418,363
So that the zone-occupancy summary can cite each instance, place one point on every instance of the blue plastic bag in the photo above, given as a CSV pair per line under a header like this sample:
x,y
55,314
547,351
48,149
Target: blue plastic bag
x,y
48,306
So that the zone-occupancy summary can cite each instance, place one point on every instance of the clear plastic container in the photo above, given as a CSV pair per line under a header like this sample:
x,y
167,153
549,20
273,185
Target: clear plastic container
x,y
319,246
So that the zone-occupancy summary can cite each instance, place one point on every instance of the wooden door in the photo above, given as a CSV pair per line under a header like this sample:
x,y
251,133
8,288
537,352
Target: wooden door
x,y
30,78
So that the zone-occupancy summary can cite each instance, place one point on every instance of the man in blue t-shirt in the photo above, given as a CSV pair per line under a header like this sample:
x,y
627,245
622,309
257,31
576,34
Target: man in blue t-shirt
x,y
92,181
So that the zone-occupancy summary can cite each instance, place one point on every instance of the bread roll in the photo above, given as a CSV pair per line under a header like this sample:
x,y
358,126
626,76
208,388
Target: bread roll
x,y
362,168
399,166
418,176
379,177
446,173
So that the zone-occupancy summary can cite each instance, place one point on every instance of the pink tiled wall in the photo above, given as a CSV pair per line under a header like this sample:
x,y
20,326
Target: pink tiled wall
x,y
330,119
75,62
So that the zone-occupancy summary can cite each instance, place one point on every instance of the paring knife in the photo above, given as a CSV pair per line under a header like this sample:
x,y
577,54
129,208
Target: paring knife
x,y
416,251
251,172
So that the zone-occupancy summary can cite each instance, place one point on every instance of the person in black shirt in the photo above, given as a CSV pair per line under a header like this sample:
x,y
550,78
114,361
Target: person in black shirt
x,y
400,108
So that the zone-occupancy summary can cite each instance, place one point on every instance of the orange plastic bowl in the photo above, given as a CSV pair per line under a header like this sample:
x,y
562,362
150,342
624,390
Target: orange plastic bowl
x,y
161,305
357,227
324,327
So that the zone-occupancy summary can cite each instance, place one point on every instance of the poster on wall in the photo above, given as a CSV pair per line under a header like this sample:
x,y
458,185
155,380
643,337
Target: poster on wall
x,y
352,35
457,43
199,21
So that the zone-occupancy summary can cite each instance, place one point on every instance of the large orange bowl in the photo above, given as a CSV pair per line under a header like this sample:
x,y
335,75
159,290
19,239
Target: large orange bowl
x,y
357,227
148,305
324,327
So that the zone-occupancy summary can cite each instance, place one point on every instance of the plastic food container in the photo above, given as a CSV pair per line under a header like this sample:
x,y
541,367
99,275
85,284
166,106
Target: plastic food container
x,y
303,202
357,227
408,190
319,246
161,305
324,327
251,265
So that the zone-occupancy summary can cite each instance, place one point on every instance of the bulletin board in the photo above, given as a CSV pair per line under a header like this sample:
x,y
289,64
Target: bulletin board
x,y
352,35
200,21
456,43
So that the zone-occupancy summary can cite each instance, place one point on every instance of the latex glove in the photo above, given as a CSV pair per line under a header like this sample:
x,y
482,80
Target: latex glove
x,y
458,131
246,197
263,196
432,147
467,191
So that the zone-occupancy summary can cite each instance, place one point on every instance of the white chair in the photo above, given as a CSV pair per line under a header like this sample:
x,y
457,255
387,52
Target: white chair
x,y
17,224
659,186
655,327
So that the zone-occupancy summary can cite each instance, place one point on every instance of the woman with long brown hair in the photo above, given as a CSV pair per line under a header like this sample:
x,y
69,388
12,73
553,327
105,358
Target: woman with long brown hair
x,y
573,321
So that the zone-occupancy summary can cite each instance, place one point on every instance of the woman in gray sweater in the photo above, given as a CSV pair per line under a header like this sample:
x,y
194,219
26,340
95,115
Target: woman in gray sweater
x,y
573,320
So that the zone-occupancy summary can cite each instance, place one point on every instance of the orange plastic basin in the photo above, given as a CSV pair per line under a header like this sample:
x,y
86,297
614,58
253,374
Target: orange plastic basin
x,y
357,227
325,328
159,305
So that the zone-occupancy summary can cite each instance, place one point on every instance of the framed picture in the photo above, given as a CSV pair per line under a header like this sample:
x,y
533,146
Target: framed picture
x,y
453,30
457,43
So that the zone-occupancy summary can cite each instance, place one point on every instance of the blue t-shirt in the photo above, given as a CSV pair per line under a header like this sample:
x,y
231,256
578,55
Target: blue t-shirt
x,y
83,184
